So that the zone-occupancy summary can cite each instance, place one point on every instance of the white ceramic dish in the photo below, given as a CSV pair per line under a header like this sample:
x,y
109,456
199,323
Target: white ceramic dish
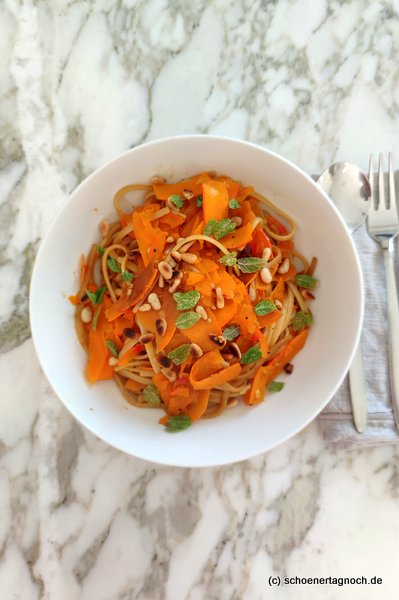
x,y
241,432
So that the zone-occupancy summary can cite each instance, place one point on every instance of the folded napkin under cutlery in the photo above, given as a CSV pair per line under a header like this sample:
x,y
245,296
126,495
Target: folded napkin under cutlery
x,y
335,421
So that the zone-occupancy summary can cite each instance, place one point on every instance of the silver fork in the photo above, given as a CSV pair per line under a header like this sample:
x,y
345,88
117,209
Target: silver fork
x,y
383,226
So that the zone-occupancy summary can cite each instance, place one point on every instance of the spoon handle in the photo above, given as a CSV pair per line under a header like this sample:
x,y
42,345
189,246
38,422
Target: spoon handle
x,y
357,384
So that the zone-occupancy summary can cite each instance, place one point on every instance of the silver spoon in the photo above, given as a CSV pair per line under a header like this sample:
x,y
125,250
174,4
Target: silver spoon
x,y
349,189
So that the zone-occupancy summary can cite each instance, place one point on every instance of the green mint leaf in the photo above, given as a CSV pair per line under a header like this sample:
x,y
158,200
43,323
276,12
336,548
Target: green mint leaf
x,y
177,200
96,297
233,203
224,227
301,319
112,347
228,260
219,228
101,250
198,201
231,332
250,264
92,296
186,300
264,307
178,423
180,354
113,265
275,386
95,318
151,395
187,320
126,276
209,228
306,281
251,355
100,293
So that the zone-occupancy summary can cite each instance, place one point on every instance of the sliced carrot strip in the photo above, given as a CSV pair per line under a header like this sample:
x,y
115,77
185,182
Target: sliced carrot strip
x,y
208,371
197,408
239,237
215,204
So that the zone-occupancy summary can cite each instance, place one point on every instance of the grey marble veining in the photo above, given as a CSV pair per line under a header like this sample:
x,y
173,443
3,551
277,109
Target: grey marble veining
x,y
81,82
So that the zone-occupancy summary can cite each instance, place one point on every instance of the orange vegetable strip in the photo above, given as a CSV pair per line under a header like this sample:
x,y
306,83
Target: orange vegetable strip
x,y
134,386
141,288
256,393
270,318
151,240
215,204
209,371
127,357
285,355
164,190
239,237
98,354
196,409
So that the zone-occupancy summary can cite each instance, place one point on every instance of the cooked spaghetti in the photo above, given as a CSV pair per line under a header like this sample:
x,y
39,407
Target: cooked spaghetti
x,y
195,299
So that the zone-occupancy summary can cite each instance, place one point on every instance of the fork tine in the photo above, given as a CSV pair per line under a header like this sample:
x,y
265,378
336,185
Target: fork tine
x,y
381,183
391,180
371,181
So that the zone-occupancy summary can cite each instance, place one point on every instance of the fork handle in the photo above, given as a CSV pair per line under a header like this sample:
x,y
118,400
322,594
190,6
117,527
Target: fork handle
x,y
357,384
393,331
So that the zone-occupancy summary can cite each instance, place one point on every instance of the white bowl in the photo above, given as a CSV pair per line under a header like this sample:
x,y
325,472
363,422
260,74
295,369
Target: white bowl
x,y
243,431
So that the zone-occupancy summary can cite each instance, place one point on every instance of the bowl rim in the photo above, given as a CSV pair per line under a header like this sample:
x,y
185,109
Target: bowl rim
x,y
108,165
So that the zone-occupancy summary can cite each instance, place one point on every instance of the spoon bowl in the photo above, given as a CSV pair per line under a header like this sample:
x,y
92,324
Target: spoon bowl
x,y
349,189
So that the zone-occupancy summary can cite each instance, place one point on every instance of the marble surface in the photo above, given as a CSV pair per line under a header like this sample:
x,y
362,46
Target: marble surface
x,y
79,83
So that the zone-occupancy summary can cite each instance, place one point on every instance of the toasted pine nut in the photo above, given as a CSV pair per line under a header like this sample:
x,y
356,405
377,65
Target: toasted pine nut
x,y
170,375
161,326
196,351
252,291
285,265
200,310
129,292
188,194
146,338
161,281
235,350
171,205
188,257
175,284
278,304
164,361
237,221
265,275
86,315
154,301
176,255
266,253
165,269
219,298
113,361
170,239
144,307
104,227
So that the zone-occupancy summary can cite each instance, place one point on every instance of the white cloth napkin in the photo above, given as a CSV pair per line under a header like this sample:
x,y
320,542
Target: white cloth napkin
x,y
335,420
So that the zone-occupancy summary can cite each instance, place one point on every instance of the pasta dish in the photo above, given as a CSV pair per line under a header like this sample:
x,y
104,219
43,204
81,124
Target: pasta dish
x,y
195,300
